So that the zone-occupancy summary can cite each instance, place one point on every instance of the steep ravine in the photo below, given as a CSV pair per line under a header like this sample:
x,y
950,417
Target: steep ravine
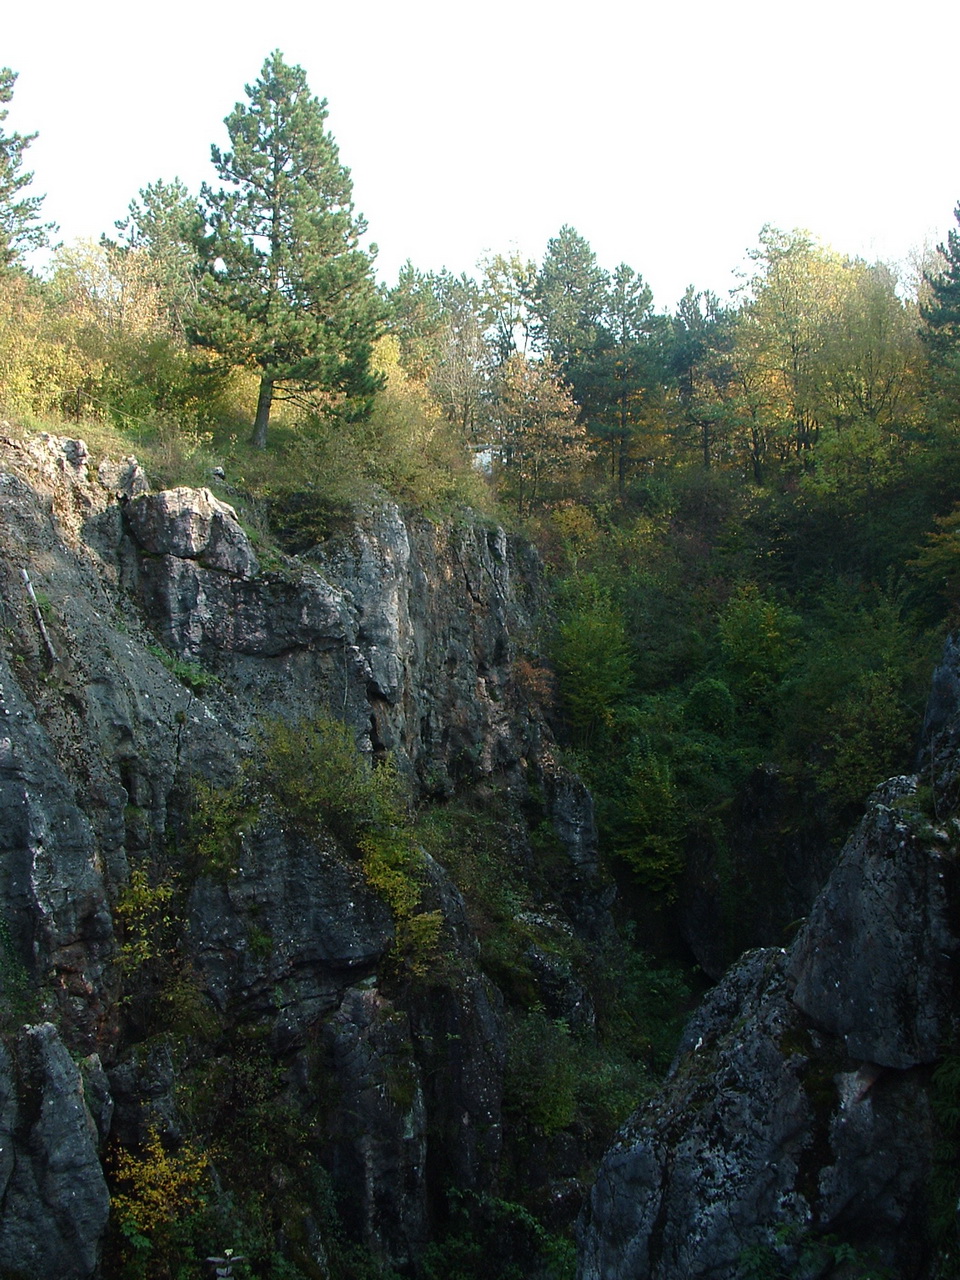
x,y
808,1125
200,981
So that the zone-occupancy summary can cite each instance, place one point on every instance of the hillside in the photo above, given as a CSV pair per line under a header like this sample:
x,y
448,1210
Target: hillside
x,y
310,954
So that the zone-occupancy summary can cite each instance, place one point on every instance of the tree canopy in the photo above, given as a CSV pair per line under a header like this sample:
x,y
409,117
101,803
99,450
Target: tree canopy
x,y
288,290
20,227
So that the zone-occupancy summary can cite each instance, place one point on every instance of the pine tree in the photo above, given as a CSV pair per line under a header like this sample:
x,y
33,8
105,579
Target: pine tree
x,y
20,227
288,291
622,368
166,225
568,301
941,323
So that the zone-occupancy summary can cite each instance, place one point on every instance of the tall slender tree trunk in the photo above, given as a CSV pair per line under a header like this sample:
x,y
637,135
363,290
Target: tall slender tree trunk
x,y
262,420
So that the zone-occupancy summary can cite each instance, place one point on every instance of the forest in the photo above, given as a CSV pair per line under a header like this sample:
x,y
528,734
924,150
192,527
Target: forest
x,y
747,510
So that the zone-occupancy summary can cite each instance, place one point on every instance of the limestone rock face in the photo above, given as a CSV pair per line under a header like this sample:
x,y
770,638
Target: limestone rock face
x,y
170,646
53,887
54,1196
765,1139
796,1118
381,1149
192,524
940,750
320,923
875,961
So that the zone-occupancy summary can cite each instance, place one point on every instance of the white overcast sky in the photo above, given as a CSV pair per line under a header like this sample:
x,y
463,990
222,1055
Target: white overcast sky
x,y
667,133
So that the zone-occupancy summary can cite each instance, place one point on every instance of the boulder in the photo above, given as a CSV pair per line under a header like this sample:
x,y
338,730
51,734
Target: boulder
x,y
192,524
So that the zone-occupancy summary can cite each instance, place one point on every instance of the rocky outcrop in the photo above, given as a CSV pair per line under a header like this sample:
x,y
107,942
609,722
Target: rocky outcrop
x,y
875,962
795,1127
52,1188
166,645
407,628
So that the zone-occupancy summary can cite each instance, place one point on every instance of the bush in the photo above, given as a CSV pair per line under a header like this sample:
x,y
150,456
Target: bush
x,y
318,777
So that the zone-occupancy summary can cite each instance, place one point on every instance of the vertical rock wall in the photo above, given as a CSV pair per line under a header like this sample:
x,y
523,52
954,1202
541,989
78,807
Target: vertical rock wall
x,y
796,1129
166,646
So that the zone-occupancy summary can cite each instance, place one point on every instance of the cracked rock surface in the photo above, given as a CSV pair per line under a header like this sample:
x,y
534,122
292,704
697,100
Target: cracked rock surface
x,y
796,1121
166,645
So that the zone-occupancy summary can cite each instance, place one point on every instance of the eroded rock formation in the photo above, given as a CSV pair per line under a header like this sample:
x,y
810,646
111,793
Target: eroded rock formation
x,y
165,647
795,1129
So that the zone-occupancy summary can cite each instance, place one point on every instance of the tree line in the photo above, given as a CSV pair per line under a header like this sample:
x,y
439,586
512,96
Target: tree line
x,y
549,372
747,506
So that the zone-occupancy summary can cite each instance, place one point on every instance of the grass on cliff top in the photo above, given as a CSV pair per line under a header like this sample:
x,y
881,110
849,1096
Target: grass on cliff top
x,y
317,465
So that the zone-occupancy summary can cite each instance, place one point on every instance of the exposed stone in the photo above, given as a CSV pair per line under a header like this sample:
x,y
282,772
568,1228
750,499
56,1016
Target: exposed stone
x,y
125,478
794,1113
875,961
562,994
405,629
53,1193
378,1147
460,1041
757,1148
52,887
940,737
287,931
192,524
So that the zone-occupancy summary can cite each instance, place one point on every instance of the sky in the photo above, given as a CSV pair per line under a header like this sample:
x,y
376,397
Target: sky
x,y
667,132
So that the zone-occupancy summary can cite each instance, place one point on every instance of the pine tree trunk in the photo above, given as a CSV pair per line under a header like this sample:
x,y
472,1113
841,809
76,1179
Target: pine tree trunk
x,y
262,420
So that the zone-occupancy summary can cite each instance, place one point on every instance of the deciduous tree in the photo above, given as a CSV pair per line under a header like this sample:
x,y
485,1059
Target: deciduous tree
x,y
701,373
540,438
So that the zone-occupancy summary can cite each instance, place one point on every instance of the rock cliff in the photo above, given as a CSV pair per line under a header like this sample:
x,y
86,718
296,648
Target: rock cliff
x,y
293,1029
252,975
798,1131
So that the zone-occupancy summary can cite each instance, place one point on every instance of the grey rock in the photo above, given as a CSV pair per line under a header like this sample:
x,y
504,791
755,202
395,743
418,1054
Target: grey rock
x,y
378,1151
143,1090
51,885
287,932
54,1196
712,1164
578,881
874,962
192,524
125,478
939,755
765,1139
560,991
406,630
461,1044
96,1093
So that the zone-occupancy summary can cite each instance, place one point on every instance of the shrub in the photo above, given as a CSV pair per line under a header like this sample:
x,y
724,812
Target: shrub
x,y
154,1191
316,774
